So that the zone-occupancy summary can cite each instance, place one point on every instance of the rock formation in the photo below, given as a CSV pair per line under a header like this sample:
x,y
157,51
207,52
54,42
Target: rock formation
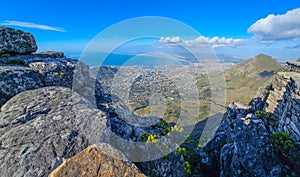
x,y
27,72
40,128
16,42
245,143
95,161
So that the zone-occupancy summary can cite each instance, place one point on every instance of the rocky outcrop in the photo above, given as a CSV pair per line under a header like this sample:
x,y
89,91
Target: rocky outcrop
x,y
40,128
292,66
244,144
97,160
14,42
283,102
241,147
28,72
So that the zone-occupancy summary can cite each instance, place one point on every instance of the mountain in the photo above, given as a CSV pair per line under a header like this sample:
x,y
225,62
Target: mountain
x,y
244,79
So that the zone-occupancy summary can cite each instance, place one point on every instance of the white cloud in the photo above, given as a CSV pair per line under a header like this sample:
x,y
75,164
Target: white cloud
x,y
203,41
175,39
31,25
277,27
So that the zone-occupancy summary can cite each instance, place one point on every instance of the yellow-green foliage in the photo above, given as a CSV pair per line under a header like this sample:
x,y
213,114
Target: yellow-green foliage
x,y
181,151
152,139
59,73
177,128
149,138
187,167
165,147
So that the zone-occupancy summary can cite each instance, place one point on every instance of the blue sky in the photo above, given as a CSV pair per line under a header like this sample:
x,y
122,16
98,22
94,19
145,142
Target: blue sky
x,y
69,25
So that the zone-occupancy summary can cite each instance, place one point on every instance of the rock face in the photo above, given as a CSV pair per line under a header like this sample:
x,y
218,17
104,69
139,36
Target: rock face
x,y
14,42
244,143
41,128
95,161
283,101
28,72
241,149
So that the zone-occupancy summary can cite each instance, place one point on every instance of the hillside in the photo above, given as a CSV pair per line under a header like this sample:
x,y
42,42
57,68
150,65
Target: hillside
x,y
245,78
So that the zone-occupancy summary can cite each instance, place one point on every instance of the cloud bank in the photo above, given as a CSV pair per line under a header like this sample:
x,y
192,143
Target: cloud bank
x,y
277,27
31,25
203,41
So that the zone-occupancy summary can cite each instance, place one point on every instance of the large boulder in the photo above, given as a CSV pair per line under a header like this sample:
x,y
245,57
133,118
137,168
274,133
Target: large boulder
x,y
16,42
97,160
27,72
40,128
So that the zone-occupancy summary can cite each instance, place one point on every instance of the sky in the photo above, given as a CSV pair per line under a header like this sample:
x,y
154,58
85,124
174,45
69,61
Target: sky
x,y
236,28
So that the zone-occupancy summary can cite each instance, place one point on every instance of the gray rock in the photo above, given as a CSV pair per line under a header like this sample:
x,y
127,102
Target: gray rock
x,y
36,71
240,149
16,42
40,128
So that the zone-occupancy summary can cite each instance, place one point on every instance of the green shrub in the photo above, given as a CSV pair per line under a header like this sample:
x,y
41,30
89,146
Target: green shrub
x,y
282,143
177,128
144,136
261,114
153,172
164,123
152,139
187,167
181,150
165,131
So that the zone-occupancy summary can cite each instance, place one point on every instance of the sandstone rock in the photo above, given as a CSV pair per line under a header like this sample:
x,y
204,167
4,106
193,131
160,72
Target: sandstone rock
x,y
97,160
41,128
16,42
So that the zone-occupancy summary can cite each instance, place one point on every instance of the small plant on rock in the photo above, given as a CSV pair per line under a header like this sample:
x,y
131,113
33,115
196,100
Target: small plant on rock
x,y
187,167
181,151
152,139
261,114
144,136
282,143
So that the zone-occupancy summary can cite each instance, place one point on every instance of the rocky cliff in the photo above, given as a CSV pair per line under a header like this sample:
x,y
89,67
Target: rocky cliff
x,y
262,138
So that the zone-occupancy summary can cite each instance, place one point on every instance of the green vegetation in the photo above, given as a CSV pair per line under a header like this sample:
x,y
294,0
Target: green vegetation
x,y
288,152
181,150
283,143
149,138
153,172
152,139
15,62
144,136
230,118
187,168
286,70
59,73
165,131
261,114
